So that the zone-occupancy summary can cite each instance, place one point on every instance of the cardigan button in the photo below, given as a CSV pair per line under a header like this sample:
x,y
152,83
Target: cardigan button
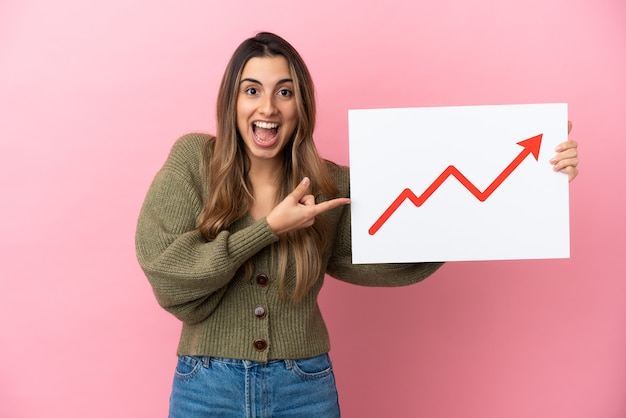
x,y
260,344
260,312
262,280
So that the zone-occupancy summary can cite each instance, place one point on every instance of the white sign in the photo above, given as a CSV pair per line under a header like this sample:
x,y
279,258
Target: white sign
x,y
458,183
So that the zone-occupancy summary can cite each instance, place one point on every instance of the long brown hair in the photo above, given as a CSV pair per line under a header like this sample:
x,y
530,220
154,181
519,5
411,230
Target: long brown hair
x,y
230,196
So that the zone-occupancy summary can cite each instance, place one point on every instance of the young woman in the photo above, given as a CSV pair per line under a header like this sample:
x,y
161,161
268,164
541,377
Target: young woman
x,y
236,234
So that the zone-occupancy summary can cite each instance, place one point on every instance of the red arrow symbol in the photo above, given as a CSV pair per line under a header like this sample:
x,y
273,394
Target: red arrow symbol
x,y
531,146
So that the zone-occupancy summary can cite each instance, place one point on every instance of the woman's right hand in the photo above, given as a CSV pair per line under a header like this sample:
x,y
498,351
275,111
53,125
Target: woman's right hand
x,y
298,210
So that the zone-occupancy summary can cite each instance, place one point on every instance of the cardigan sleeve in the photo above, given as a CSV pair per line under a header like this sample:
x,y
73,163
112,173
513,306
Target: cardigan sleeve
x,y
340,265
189,274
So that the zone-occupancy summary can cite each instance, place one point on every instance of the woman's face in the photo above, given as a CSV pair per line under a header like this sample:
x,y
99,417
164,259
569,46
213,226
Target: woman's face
x,y
266,107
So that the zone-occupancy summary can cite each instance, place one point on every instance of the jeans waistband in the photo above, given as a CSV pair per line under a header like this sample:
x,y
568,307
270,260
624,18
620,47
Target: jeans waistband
x,y
240,362
207,360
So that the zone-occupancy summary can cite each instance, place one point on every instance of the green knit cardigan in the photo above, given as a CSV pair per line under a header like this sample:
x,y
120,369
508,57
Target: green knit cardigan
x,y
223,314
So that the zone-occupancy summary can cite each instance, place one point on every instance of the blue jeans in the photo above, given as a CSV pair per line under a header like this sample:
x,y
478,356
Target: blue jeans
x,y
224,388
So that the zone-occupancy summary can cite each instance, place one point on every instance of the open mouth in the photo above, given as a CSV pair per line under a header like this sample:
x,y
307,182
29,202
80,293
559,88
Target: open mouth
x,y
265,133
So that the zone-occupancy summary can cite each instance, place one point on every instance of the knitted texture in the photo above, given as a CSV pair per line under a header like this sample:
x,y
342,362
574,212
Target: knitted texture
x,y
200,283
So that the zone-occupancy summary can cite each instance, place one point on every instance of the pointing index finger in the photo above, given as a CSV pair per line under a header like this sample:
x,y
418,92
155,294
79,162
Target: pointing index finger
x,y
331,204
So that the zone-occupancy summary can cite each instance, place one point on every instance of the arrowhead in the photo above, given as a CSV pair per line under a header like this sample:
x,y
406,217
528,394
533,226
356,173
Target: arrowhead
x,y
532,145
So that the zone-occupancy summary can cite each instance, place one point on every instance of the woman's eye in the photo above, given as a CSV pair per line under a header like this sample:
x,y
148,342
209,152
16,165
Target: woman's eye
x,y
251,91
285,92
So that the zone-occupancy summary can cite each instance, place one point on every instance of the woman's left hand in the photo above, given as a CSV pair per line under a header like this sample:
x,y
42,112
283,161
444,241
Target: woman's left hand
x,y
566,159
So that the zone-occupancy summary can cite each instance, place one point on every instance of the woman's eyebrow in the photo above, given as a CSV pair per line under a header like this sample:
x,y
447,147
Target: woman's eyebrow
x,y
252,80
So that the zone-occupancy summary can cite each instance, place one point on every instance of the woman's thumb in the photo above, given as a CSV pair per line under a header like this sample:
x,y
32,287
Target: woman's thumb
x,y
301,189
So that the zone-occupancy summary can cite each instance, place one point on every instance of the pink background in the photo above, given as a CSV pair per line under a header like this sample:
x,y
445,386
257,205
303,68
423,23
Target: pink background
x,y
92,96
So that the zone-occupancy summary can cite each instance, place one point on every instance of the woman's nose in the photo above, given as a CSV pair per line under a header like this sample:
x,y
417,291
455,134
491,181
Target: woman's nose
x,y
267,107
